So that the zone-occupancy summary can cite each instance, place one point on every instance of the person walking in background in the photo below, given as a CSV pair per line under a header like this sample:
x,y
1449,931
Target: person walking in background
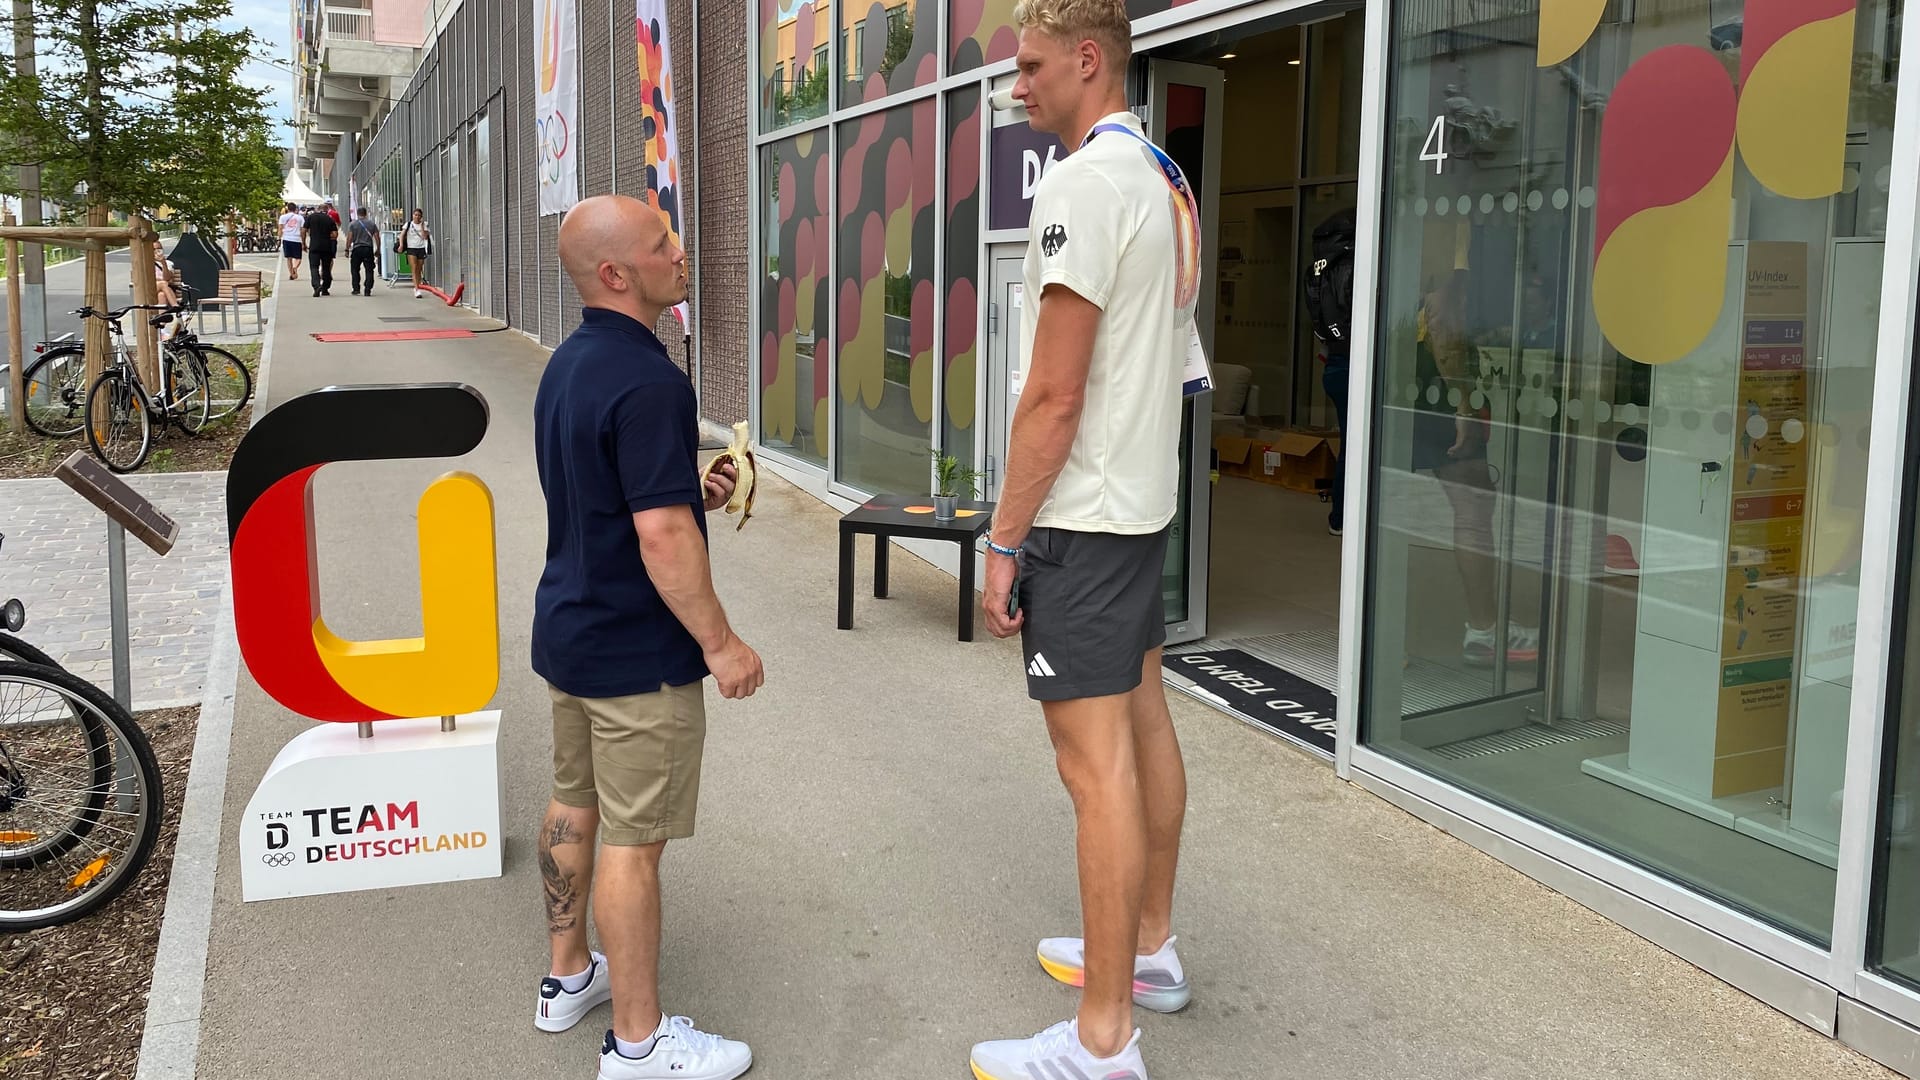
x,y
1080,536
331,212
1330,309
418,240
292,227
626,628
322,237
363,247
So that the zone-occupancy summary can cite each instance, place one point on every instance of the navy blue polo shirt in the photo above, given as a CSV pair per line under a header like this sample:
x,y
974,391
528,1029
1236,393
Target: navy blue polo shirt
x,y
615,433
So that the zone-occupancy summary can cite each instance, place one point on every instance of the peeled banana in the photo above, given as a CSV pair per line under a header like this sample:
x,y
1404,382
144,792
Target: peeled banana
x,y
740,454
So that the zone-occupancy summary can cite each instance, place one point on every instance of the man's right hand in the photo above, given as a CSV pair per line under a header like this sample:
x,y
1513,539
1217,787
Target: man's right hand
x,y
736,668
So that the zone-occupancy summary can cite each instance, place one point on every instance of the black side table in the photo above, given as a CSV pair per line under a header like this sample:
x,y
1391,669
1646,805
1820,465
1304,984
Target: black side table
x,y
886,516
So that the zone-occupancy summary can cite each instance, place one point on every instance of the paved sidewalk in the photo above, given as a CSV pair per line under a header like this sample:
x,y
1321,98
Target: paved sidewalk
x,y
55,561
882,839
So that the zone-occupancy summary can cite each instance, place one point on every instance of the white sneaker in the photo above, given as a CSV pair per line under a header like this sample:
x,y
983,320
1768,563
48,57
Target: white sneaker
x,y
680,1052
560,1008
417,294
1055,1052
1159,982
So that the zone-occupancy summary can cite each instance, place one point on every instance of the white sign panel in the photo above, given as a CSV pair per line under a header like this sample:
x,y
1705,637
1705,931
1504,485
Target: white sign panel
x,y
411,805
556,103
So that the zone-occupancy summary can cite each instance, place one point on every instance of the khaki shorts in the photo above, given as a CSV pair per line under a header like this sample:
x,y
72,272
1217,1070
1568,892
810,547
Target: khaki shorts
x,y
635,758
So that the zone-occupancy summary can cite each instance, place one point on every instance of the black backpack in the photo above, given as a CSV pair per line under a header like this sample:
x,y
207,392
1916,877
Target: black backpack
x,y
1330,283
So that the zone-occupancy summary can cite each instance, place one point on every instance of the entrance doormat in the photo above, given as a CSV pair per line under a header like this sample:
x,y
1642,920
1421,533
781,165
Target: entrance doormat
x,y
1259,692
392,335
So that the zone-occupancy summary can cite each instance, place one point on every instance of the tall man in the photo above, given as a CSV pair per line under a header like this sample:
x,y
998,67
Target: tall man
x,y
363,247
1091,483
322,237
626,627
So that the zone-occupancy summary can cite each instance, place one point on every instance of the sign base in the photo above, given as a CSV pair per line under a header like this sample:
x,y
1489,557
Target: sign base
x,y
409,806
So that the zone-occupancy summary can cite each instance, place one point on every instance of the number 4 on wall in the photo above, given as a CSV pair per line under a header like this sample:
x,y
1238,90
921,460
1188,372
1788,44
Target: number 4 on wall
x,y
1435,149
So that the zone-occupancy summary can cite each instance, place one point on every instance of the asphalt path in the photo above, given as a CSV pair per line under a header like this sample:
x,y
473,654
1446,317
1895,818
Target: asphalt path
x,y
66,290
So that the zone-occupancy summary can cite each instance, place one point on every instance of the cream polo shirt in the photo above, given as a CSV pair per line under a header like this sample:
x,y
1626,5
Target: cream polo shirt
x,y
1104,226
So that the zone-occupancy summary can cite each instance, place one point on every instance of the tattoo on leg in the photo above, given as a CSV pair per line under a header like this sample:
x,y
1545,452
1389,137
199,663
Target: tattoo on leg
x,y
562,896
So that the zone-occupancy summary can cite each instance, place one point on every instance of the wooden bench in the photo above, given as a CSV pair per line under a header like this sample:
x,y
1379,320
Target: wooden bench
x,y
237,288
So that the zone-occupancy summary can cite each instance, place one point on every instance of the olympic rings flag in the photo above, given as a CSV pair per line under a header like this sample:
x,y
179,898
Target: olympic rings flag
x,y
658,132
556,108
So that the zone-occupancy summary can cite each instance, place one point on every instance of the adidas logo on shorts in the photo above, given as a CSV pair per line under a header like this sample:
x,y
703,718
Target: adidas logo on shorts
x,y
1040,668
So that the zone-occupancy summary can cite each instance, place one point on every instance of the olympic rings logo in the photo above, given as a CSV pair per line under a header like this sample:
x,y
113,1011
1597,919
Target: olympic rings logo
x,y
553,137
278,858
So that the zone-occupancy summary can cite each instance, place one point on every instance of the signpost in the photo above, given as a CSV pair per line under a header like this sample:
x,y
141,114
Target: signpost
x,y
126,509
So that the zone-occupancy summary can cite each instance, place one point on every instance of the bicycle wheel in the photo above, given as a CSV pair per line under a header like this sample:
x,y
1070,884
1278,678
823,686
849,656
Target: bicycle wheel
x,y
229,382
186,390
14,649
80,798
56,393
118,427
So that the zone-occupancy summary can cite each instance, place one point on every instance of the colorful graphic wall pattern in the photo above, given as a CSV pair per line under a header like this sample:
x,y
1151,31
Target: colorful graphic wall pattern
x,y
454,666
794,74
890,48
963,270
657,129
886,231
1665,177
556,104
792,300
980,32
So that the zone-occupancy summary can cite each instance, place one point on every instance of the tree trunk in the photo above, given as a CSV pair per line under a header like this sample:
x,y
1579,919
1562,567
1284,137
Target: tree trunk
x,y
146,338
96,331
16,348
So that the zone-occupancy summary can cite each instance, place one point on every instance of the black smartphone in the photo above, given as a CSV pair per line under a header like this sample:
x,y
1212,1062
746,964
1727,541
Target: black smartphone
x,y
1013,592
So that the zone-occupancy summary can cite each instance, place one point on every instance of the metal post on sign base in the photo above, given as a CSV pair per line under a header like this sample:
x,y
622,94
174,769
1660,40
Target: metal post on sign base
x,y
117,586
365,728
446,723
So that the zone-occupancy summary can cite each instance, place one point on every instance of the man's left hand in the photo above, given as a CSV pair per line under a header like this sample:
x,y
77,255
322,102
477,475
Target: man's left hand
x,y
720,486
1001,572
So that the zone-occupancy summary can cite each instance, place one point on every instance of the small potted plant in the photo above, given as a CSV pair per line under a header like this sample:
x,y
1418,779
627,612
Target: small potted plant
x,y
950,479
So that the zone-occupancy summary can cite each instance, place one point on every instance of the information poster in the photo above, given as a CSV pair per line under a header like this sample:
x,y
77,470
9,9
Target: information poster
x,y
1766,528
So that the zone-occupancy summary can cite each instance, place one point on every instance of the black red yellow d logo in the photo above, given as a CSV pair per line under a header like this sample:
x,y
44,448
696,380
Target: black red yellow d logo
x,y
454,666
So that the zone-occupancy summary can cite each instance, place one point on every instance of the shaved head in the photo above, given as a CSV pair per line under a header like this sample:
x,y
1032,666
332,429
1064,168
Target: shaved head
x,y
620,256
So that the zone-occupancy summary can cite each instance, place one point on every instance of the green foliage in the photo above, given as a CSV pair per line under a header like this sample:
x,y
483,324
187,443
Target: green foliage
x,y
950,477
143,118
899,43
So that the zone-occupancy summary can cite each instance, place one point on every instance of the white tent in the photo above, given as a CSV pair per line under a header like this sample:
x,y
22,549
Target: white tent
x,y
295,190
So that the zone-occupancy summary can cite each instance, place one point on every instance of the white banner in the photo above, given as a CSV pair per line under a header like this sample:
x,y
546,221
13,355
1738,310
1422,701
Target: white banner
x,y
656,120
556,109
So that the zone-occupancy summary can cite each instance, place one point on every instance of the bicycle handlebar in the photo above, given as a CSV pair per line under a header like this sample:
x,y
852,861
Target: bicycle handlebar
x,y
116,314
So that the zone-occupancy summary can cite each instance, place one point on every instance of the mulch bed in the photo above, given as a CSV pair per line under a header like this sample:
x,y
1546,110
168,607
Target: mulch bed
x,y
30,455
73,999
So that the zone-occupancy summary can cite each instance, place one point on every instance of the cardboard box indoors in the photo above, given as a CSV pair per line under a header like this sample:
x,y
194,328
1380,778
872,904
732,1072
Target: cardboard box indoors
x,y
1298,459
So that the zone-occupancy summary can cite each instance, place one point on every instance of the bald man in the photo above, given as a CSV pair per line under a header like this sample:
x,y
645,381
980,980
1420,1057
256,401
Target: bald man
x,y
626,628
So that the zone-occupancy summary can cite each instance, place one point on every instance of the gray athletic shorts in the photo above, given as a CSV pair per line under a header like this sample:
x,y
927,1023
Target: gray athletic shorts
x,y
1093,610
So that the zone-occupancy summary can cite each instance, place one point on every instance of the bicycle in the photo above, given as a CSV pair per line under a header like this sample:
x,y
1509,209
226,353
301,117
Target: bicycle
x,y
55,384
80,791
120,407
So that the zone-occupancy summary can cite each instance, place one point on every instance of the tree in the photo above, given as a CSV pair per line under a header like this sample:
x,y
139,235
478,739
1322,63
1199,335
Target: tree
x,y
142,101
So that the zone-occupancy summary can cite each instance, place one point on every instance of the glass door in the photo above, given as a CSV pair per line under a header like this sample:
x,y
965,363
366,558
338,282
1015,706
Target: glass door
x,y
1184,111
1623,366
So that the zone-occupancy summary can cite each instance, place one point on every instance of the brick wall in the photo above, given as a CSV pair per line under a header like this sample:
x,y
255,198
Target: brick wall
x,y
721,214
484,60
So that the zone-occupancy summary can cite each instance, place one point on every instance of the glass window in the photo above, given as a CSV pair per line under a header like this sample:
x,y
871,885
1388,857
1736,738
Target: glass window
x,y
883,292
1626,342
793,71
893,50
980,32
963,271
793,296
1334,50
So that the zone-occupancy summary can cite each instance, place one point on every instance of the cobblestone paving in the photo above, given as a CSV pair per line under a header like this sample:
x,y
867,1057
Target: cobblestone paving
x,y
55,561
